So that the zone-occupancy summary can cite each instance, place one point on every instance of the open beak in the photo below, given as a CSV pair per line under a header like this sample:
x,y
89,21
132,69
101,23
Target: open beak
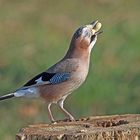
x,y
94,23
96,26
98,32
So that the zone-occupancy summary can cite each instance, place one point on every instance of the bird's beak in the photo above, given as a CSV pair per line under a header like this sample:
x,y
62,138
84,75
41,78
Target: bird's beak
x,y
96,26
98,32
94,23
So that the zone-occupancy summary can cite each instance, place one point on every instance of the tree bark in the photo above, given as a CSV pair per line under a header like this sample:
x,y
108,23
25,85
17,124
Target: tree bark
x,y
116,127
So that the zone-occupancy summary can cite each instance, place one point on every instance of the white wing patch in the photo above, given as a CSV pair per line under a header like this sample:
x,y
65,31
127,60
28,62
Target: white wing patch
x,y
39,81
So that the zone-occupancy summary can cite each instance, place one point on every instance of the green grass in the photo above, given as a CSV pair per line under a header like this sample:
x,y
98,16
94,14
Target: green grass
x,y
35,34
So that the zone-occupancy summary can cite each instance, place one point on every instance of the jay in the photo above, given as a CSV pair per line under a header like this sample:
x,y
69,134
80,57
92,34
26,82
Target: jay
x,y
61,79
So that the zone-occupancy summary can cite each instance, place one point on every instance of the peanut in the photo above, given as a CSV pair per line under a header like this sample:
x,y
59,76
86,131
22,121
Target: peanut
x,y
97,27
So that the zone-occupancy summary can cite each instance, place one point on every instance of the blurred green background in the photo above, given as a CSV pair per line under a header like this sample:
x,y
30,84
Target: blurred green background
x,y
34,34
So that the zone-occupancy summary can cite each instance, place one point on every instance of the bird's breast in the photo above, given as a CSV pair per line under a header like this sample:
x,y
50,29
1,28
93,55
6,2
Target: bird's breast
x,y
80,74
78,70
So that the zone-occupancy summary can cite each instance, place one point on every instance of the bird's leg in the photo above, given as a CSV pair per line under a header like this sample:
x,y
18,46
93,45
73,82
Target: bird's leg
x,y
61,104
50,113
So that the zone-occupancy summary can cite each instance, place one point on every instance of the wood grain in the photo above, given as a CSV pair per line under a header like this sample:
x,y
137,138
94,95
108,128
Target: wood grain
x,y
116,127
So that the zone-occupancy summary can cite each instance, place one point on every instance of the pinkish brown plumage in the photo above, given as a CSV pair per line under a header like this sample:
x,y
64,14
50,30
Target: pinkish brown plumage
x,y
60,80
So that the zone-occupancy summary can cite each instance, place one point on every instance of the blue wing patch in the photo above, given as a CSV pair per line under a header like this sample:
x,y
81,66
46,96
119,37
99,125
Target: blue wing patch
x,y
49,78
59,77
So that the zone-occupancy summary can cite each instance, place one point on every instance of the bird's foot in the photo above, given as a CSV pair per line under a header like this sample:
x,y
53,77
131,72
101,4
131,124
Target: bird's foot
x,y
64,120
71,118
67,120
54,122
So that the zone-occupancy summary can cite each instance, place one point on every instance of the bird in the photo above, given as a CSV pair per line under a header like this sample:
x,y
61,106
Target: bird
x,y
68,74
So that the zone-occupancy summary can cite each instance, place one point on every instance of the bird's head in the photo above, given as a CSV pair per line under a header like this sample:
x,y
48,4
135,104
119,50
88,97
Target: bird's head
x,y
84,38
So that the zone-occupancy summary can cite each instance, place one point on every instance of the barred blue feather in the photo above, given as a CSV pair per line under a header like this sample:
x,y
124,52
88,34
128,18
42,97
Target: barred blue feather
x,y
59,77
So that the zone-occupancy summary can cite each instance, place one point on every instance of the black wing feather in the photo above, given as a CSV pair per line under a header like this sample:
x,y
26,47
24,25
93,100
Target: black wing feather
x,y
45,77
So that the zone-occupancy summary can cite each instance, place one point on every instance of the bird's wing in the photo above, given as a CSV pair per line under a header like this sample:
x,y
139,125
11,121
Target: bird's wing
x,y
47,78
58,73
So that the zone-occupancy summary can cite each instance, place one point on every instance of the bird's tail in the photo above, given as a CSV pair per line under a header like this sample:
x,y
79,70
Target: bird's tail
x,y
7,96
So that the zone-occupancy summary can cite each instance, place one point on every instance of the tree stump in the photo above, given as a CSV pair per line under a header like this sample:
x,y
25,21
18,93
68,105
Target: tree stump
x,y
116,127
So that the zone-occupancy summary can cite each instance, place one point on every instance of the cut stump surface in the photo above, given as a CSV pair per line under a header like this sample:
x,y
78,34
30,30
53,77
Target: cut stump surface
x,y
116,127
